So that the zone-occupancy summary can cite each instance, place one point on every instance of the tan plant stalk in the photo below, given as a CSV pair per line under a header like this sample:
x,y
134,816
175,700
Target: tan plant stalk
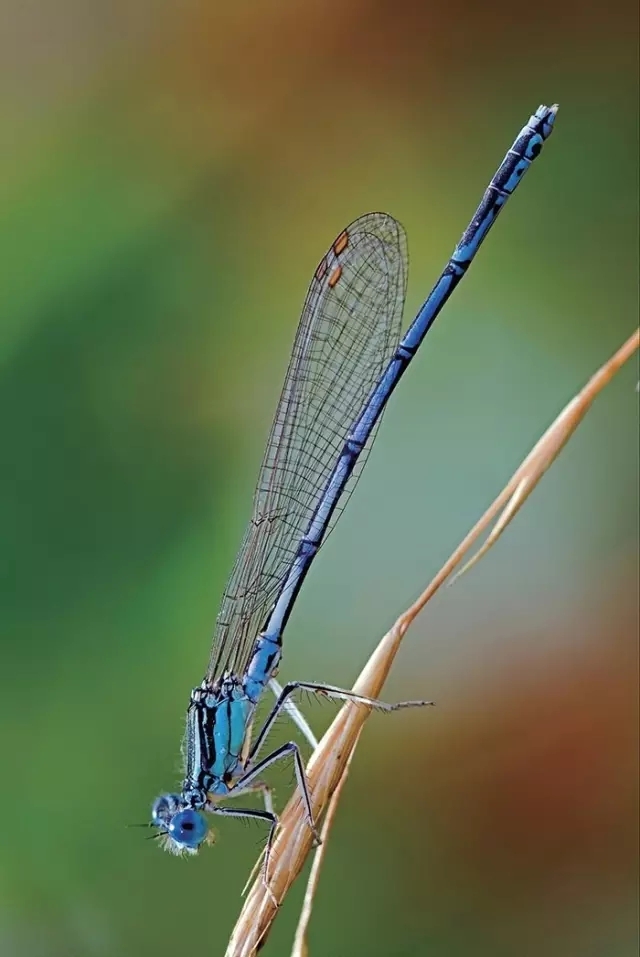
x,y
329,763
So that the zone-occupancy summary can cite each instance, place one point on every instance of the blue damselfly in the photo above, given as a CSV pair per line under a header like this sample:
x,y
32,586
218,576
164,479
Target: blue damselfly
x,y
347,359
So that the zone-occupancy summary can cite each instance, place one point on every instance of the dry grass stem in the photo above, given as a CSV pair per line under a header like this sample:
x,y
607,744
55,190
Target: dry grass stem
x,y
328,765
547,449
300,948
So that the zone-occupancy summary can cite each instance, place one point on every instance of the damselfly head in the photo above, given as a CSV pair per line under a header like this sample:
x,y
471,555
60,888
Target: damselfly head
x,y
181,829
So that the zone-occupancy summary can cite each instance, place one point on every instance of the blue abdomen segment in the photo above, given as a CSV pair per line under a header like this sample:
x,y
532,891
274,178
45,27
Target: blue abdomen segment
x,y
526,147
524,150
262,666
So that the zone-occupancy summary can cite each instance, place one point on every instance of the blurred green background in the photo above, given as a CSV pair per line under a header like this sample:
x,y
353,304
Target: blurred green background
x,y
170,174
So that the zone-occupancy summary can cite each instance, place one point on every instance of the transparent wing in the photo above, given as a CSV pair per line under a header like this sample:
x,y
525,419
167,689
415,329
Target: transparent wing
x,y
349,328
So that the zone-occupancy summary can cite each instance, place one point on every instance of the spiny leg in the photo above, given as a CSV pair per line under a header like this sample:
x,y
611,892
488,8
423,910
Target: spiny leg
x,y
294,713
251,814
257,787
291,748
328,691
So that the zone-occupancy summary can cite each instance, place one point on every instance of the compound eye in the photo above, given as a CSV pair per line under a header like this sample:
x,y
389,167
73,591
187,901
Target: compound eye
x,y
164,808
188,828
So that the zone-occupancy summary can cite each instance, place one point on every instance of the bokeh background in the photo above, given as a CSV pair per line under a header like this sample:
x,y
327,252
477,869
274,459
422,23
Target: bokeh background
x,y
170,174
